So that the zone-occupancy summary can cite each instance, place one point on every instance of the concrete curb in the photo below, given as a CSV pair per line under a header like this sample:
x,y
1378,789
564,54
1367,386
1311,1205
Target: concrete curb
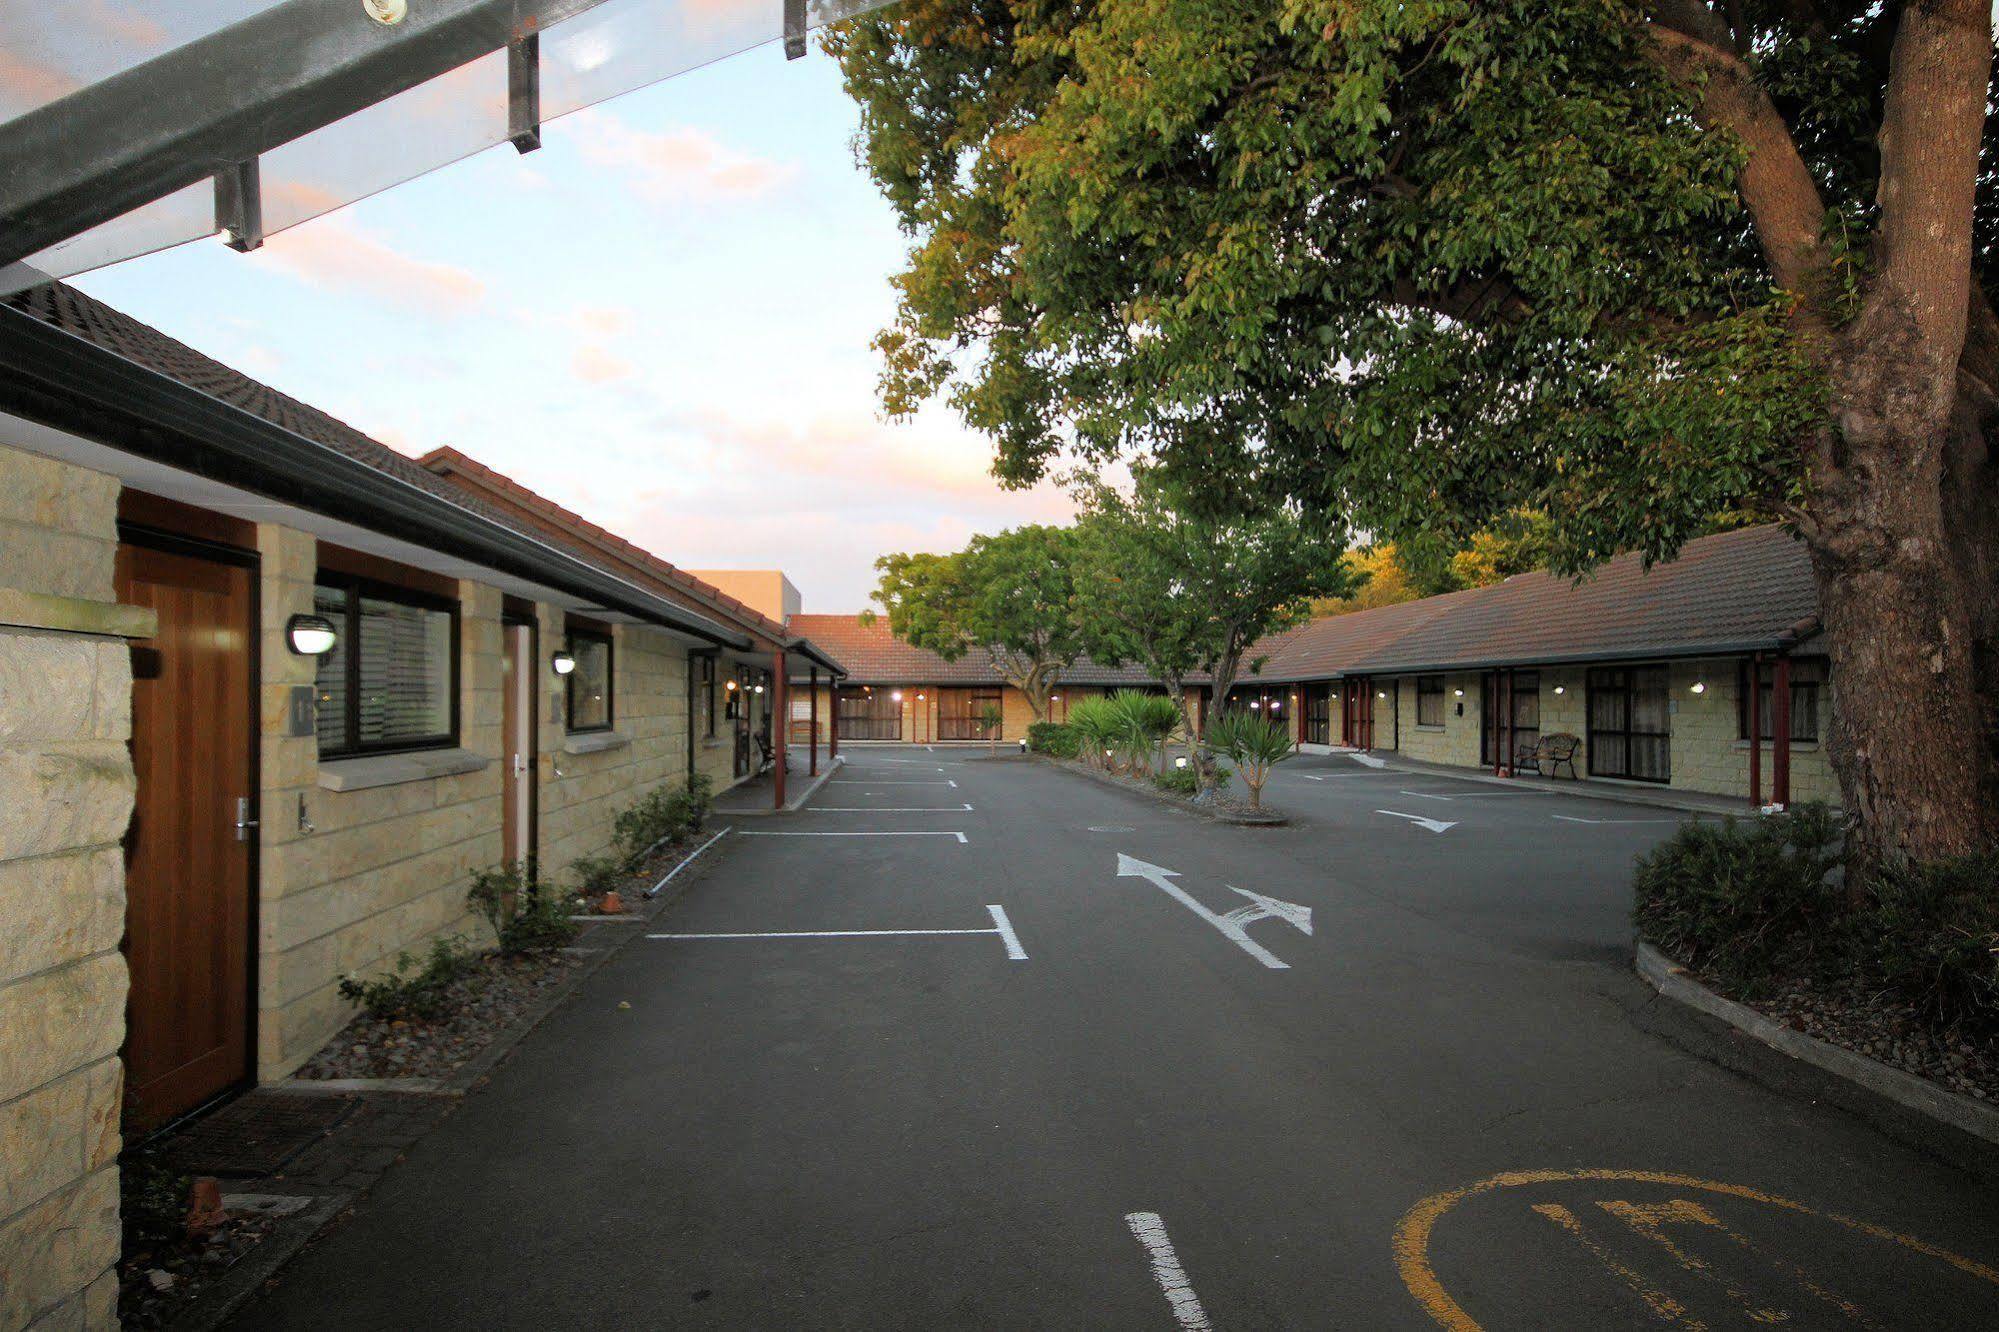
x,y
1909,1093
216,1305
805,793
1268,819
1690,803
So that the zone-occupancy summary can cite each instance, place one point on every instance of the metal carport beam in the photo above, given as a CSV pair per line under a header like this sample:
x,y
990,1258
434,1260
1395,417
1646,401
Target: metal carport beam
x,y
201,108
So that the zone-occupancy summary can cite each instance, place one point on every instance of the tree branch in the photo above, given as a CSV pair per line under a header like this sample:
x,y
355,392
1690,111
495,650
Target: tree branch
x,y
1693,46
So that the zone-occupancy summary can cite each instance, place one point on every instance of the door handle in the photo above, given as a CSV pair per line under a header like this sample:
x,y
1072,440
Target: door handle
x,y
243,820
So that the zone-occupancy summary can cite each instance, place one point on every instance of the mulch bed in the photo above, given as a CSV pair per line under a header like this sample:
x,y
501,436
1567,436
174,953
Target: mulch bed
x,y
1218,805
162,1268
1882,1029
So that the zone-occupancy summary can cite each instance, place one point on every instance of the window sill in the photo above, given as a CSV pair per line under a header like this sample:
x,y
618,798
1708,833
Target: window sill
x,y
369,770
594,742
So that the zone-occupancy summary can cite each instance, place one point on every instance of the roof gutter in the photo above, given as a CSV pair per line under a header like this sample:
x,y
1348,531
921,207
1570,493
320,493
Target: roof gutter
x,y
67,382
806,648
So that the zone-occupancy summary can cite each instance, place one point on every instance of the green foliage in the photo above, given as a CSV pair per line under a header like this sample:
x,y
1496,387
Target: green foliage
x,y
1187,782
414,989
597,875
526,913
1753,903
1140,725
1416,265
1053,739
1744,901
669,812
1006,595
1930,933
1097,728
1180,585
1253,744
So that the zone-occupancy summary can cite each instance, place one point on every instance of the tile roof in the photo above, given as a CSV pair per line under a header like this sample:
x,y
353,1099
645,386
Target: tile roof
x,y
873,655
66,308
1734,592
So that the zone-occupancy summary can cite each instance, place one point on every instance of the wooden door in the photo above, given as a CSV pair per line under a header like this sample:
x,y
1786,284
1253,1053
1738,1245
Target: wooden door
x,y
191,850
517,673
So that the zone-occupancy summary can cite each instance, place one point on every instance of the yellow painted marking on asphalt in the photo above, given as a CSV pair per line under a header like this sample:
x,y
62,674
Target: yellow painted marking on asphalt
x,y
1651,1219
1412,1234
1798,1274
1658,1300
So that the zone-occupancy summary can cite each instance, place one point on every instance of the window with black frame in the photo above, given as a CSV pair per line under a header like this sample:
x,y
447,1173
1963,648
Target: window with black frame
x,y
1630,723
707,687
589,684
1808,677
391,681
1429,700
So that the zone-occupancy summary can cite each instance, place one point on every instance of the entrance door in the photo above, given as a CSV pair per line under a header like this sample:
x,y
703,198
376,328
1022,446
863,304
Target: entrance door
x,y
1318,714
518,737
191,851
1358,714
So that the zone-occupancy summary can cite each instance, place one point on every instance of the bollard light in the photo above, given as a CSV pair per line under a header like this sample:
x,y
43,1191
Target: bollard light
x,y
1180,762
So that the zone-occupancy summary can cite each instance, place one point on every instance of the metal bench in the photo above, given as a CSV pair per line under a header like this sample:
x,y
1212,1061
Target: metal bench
x,y
1555,750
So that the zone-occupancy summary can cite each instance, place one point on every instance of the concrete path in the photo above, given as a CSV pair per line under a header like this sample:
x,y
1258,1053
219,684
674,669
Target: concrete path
x,y
854,1103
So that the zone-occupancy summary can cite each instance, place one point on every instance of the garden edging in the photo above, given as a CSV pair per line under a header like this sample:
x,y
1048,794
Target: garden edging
x,y
1264,819
1905,1090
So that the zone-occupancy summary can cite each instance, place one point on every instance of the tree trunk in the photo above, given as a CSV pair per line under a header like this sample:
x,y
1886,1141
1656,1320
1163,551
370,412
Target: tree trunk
x,y
1904,565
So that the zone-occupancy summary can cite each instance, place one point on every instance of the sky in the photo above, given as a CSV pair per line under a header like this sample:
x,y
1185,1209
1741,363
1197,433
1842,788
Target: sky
x,y
660,320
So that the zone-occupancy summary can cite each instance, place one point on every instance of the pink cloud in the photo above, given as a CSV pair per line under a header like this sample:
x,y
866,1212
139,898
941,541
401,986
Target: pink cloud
x,y
675,164
26,83
335,255
594,365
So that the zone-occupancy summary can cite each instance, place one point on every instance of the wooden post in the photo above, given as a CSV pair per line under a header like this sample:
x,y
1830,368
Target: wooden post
x,y
780,724
1780,732
1755,701
812,768
833,722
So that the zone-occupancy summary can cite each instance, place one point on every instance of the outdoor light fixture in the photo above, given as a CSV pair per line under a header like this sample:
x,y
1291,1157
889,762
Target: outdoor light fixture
x,y
1459,692
1700,687
731,686
760,689
921,697
1561,689
1054,698
1180,762
563,662
897,696
1256,703
1381,694
309,635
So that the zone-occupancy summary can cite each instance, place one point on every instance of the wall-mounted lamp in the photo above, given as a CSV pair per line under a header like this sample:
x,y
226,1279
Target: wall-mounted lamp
x,y
562,661
731,686
1561,689
309,635
1381,693
921,697
1700,686
1459,692
897,696
760,689
1054,698
1256,703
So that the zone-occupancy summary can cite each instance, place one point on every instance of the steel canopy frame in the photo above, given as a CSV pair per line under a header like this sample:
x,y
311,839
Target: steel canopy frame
x,y
208,108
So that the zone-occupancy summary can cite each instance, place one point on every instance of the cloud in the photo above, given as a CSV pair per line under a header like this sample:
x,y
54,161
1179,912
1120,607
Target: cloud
x,y
26,83
338,256
675,165
594,365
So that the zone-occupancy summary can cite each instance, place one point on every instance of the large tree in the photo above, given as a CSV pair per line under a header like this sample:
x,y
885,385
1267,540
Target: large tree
x,y
1423,264
1185,591
1005,597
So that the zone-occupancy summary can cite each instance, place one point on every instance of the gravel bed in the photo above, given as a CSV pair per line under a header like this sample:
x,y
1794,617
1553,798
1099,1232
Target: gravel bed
x,y
159,1277
1882,1029
1218,805
494,995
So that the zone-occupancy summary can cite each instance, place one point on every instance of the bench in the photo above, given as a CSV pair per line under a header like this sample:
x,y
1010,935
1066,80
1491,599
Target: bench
x,y
1554,750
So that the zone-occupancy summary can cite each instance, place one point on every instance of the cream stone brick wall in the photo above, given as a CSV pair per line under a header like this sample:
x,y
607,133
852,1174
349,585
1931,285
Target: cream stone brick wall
x,y
649,710
65,718
1456,740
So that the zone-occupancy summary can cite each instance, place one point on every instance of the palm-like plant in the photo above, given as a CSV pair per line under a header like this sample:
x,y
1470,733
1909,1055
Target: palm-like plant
x,y
1254,745
1144,721
992,717
1095,723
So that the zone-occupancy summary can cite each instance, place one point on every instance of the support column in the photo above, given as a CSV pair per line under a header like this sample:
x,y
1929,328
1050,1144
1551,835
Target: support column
x,y
1780,732
1755,700
780,723
833,722
812,742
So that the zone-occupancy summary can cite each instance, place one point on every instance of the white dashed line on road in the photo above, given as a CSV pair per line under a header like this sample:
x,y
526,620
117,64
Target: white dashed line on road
x,y
960,836
1166,1270
886,809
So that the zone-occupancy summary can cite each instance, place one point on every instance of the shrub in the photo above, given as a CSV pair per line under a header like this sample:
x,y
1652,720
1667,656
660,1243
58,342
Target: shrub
x,y
1053,739
1142,722
667,813
423,992
1746,900
1930,934
527,914
597,875
1095,723
1254,744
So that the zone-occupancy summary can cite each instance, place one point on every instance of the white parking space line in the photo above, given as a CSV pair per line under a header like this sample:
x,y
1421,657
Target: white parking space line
x,y
654,890
1166,1270
863,781
887,809
1425,795
1005,928
1002,929
1570,818
960,836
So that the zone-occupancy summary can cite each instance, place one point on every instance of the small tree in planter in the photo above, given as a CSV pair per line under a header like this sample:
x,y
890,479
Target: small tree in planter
x,y
1254,745
992,717
1095,722
1144,723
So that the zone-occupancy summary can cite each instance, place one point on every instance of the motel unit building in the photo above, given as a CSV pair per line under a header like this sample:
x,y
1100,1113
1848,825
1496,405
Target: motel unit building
x,y
1706,674
205,827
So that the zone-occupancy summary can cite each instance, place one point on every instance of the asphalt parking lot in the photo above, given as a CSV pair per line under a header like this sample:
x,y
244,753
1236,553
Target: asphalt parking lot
x,y
976,1043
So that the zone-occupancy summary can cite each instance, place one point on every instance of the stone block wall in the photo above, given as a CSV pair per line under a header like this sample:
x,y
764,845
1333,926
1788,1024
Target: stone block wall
x,y
65,718
649,713
1456,740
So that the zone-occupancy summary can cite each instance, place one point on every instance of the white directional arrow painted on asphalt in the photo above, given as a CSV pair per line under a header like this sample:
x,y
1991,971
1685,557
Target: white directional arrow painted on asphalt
x,y
1231,925
1434,825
